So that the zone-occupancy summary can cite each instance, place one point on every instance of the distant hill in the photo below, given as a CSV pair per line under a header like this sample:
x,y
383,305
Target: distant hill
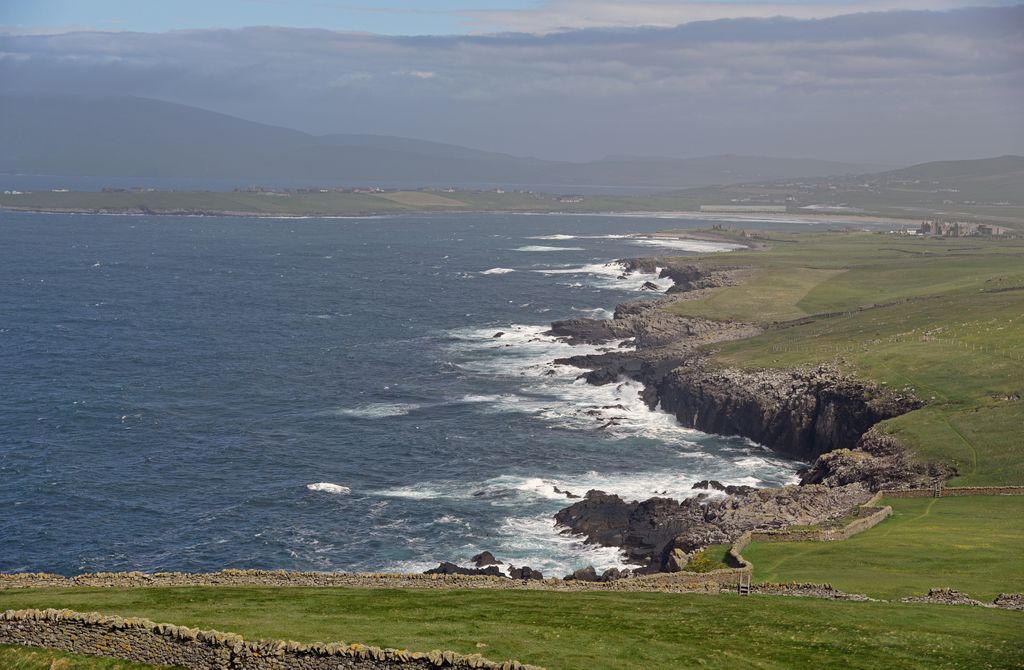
x,y
136,137
984,179
980,168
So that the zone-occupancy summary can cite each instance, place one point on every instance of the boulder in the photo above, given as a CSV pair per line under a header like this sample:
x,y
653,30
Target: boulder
x,y
484,559
587,574
613,574
525,573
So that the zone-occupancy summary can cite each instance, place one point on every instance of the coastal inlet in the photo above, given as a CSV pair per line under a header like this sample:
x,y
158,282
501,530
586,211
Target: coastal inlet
x,y
325,394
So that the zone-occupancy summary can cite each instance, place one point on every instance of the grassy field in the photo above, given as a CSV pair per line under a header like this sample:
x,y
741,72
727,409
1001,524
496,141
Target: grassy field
x,y
27,658
586,631
944,317
972,544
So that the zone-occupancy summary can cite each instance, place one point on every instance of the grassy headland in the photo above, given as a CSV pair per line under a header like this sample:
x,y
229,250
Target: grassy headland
x,y
942,316
972,544
586,631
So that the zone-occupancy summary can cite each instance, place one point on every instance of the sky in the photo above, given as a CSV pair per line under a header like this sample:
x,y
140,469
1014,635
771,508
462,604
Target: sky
x,y
423,17
878,81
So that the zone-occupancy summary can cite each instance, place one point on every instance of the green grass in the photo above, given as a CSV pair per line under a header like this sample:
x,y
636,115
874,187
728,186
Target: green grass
x,y
592,631
973,544
943,317
29,658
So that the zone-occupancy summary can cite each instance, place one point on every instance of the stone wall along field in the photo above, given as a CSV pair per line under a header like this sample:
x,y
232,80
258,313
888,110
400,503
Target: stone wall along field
x,y
956,491
143,641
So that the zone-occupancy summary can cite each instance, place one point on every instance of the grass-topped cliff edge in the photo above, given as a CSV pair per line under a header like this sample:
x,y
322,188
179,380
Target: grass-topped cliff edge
x,y
944,317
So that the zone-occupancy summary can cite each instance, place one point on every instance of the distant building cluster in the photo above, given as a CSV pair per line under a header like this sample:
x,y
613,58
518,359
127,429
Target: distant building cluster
x,y
962,229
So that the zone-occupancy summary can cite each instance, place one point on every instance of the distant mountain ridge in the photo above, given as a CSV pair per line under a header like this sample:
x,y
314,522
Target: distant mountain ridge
x,y
138,137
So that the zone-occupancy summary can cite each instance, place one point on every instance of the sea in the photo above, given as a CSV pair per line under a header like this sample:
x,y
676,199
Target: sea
x,y
199,393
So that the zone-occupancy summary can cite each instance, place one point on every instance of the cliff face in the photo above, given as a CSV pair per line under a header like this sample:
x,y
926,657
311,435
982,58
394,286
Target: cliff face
x,y
799,413
816,414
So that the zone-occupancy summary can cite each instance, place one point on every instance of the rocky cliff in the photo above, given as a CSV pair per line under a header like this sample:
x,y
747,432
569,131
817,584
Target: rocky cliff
x,y
801,413
816,414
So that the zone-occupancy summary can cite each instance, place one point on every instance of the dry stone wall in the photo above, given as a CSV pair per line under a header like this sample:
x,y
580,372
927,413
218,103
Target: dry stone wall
x,y
678,582
956,491
143,641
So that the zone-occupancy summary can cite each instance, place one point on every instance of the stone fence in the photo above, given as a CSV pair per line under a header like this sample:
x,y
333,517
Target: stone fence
x,y
672,582
950,492
143,641
810,534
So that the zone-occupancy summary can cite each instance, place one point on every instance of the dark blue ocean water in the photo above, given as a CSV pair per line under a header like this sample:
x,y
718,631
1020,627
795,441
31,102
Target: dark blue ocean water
x,y
172,387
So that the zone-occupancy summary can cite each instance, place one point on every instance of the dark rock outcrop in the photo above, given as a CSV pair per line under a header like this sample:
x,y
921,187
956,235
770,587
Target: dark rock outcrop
x,y
651,531
525,573
879,462
801,413
485,558
587,574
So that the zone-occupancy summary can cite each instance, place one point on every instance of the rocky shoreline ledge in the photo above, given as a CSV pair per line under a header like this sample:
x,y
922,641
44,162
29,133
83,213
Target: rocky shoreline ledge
x,y
814,414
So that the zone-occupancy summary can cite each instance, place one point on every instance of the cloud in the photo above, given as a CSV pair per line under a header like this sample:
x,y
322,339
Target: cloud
x,y
883,87
561,15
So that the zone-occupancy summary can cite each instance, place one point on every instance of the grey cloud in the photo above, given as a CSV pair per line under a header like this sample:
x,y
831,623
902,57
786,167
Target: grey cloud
x,y
560,15
892,87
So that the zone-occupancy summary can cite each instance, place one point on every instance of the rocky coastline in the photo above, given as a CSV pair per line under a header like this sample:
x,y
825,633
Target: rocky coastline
x,y
818,415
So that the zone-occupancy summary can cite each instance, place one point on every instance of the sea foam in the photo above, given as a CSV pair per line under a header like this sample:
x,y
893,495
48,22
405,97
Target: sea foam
x,y
327,487
380,410
535,247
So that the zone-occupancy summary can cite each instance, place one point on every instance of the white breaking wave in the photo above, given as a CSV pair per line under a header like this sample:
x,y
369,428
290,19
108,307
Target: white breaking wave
x,y
327,487
497,271
557,394
539,543
595,313
425,491
379,410
557,236
611,276
534,247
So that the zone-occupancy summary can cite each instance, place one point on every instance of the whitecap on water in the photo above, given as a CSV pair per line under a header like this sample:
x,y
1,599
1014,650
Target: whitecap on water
x,y
595,313
377,410
327,487
535,247
536,541
611,276
497,271
557,236
422,491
